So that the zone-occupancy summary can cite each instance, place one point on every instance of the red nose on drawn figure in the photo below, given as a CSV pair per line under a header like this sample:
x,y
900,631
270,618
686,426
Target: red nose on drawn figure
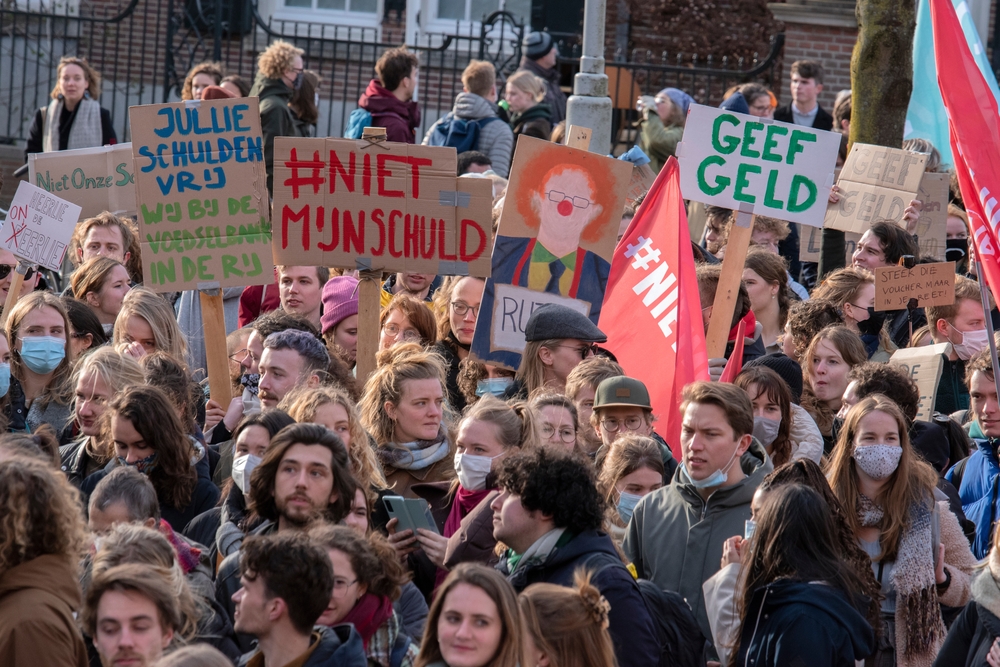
x,y
565,207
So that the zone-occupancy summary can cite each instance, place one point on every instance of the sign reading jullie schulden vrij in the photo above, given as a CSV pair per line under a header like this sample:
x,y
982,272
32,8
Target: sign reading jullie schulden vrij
x,y
200,189
735,160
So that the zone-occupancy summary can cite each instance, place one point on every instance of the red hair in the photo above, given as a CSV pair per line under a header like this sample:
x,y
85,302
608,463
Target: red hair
x,y
554,161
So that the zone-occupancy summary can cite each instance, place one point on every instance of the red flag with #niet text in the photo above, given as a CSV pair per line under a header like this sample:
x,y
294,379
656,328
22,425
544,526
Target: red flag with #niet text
x,y
975,134
652,309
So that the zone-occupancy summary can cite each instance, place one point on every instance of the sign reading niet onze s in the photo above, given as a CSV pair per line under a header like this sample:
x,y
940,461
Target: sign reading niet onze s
x,y
783,171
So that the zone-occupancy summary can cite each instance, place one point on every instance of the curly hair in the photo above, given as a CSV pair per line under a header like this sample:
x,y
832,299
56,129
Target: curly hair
x,y
556,483
889,380
302,403
153,417
168,374
279,320
40,514
211,68
470,372
293,568
43,444
808,318
277,58
374,562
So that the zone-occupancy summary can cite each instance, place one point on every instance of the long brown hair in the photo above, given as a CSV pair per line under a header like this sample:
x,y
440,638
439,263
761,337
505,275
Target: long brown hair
x,y
500,591
625,455
772,269
569,624
91,276
850,347
154,418
912,482
60,388
757,380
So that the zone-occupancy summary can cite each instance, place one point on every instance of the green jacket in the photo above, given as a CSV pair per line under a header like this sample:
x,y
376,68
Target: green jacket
x,y
675,537
657,141
276,118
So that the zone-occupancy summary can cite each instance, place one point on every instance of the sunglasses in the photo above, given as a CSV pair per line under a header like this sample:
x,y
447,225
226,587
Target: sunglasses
x,y
5,270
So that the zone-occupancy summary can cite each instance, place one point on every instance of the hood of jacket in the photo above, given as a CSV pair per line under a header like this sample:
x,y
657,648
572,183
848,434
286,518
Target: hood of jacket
x,y
756,465
378,100
782,595
473,107
339,646
47,574
264,87
540,111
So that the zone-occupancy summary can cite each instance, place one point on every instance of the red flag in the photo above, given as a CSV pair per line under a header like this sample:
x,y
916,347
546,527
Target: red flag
x,y
974,120
652,309
735,363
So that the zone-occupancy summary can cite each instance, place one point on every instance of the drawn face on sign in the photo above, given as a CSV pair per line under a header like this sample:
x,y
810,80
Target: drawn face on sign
x,y
566,204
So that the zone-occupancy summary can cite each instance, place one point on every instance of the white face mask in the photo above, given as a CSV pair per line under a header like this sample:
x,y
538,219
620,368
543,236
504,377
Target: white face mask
x,y
242,468
251,403
766,430
473,470
878,461
973,342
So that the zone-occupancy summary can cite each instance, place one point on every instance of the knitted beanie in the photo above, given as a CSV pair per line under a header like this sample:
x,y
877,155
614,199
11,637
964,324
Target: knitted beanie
x,y
340,301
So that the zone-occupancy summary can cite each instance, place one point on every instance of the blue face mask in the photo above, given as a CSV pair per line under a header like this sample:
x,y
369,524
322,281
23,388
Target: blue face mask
x,y
42,354
626,505
495,386
4,379
717,478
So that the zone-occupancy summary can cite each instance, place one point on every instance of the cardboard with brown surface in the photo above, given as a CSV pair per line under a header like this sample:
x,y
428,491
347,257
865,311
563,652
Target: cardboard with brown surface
x,y
924,365
95,179
929,284
933,222
357,204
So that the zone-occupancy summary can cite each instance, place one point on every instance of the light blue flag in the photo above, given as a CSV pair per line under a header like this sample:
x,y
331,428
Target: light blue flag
x,y
925,117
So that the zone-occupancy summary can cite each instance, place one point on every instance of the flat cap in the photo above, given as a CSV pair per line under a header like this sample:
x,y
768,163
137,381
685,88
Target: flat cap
x,y
552,320
622,391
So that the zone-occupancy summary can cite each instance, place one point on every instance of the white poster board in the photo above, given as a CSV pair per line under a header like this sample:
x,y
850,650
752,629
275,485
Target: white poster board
x,y
39,226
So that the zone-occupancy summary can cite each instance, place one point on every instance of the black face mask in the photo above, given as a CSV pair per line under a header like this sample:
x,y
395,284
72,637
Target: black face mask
x,y
956,250
873,325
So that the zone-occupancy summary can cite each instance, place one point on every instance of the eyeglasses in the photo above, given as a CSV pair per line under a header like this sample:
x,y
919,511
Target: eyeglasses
x,y
461,308
611,425
585,351
409,335
239,355
5,270
564,434
557,197
340,587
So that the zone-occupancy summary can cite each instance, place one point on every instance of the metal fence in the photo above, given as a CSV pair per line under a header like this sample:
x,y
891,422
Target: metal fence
x,y
143,49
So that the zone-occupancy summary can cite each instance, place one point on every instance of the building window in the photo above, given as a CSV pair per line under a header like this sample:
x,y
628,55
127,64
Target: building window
x,y
466,10
355,6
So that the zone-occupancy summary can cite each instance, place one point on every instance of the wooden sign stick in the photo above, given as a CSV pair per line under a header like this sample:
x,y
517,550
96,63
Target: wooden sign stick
x,y
369,310
217,358
578,136
14,291
720,322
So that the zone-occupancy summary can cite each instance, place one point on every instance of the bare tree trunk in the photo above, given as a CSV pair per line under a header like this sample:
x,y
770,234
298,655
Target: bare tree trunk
x,y
881,83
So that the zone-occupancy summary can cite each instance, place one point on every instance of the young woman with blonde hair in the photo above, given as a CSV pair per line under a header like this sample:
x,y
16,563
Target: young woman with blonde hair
x,y
566,626
919,554
146,324
41,389
102,283
528,114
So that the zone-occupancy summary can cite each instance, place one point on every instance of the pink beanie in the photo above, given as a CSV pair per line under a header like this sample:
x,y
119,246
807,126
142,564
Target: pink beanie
x,y
340,301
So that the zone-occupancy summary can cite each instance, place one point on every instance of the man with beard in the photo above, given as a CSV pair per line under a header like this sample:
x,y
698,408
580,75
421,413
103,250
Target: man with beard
x,y
305,475
290,359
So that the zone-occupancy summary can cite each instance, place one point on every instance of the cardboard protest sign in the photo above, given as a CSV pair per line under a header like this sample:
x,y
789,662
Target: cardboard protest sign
x,y
924,365
96,179
933,222
876,182
810,243
200,190
390,206
555,241
39,226
929,284
782,170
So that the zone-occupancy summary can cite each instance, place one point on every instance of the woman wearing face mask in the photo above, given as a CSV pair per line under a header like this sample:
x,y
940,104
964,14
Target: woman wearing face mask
x,y
831,355
102,284
41,390
489,430
367,581
403,409
919,555
97,379
457,304
957,239
772,414
149,437
853,291
632,468
224,526
74,118
766,278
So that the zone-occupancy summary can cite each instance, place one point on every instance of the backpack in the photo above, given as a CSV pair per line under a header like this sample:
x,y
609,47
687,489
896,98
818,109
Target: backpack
x,y
356,123
462,134
682,643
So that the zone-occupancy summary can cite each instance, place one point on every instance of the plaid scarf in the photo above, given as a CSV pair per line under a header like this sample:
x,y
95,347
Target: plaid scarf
x,y
415,455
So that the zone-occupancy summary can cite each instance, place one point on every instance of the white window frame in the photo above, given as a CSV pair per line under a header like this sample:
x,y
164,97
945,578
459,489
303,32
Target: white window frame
x,y
278,11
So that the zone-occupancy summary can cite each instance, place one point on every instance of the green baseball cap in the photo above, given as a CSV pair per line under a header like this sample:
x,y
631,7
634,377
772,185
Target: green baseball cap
x,y
622,391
